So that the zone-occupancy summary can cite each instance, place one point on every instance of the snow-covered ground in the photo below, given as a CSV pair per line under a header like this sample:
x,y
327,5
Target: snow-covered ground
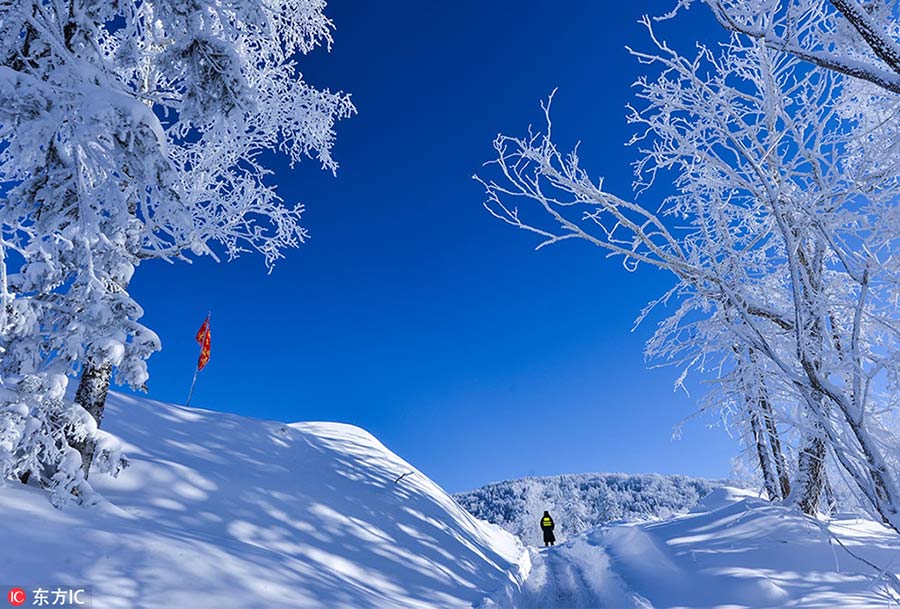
x,y
732,552
221,511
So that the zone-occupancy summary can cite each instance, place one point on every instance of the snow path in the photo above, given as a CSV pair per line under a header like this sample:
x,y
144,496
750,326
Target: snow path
x,y
560,583
734,551
576,575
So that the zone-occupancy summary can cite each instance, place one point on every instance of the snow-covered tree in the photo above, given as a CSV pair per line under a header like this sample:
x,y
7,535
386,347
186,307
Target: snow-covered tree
x,y
131,131
859,39
746,392
581,502
781,240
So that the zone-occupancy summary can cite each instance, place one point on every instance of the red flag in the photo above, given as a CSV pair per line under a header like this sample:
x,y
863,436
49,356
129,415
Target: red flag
x,y
203,338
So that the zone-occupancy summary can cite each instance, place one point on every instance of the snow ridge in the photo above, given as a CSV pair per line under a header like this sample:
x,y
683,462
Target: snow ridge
x,y
218,510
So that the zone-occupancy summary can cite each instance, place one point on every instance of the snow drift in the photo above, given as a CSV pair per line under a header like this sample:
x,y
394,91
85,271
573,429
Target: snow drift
x,y
219,510
732,551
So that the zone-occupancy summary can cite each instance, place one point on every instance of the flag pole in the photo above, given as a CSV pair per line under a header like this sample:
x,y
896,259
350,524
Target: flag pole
x,y
194,382
197,369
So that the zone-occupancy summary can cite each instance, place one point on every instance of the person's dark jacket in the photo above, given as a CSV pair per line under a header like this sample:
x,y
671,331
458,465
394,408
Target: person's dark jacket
x,y
547,526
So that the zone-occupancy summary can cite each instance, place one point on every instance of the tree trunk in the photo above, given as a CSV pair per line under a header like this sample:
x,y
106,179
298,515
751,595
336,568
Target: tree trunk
x,y
830,498
765,458
811,472
775,444
885,497
765,434
91,394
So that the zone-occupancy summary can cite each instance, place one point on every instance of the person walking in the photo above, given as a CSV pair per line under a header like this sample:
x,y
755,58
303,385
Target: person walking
x,y
547,527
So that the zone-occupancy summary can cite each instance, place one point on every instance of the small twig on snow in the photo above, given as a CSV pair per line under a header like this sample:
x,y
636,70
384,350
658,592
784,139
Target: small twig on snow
x,y
402,476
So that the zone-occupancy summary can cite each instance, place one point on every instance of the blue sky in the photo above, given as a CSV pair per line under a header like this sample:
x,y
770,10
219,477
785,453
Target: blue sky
x,y
412,312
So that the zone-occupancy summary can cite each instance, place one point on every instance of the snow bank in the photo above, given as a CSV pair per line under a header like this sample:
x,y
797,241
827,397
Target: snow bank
x,y
749,553
736,552
219,510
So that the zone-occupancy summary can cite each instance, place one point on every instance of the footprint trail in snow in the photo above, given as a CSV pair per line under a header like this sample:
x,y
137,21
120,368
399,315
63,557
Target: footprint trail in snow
x,y
576,575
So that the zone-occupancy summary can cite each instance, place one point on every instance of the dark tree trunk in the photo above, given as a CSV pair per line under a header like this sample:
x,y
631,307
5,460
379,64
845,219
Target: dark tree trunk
x,y
781,469
811,472
765,458
91,394
811,462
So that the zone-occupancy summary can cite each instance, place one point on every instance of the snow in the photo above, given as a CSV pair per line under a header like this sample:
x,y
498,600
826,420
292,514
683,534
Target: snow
x,y
219,510
132,131
580,502
570,576
734,551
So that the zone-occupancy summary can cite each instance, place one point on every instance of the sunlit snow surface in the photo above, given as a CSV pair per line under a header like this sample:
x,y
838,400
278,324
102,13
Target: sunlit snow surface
x,y
221,511
732,552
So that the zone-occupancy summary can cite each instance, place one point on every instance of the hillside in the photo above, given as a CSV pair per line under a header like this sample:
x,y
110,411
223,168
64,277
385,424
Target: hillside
x,y
733,551
219,510
580,502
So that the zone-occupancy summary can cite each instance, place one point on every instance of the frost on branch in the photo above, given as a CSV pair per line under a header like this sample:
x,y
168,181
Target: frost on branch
x,y
858,39
133,131
781,241
36,420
